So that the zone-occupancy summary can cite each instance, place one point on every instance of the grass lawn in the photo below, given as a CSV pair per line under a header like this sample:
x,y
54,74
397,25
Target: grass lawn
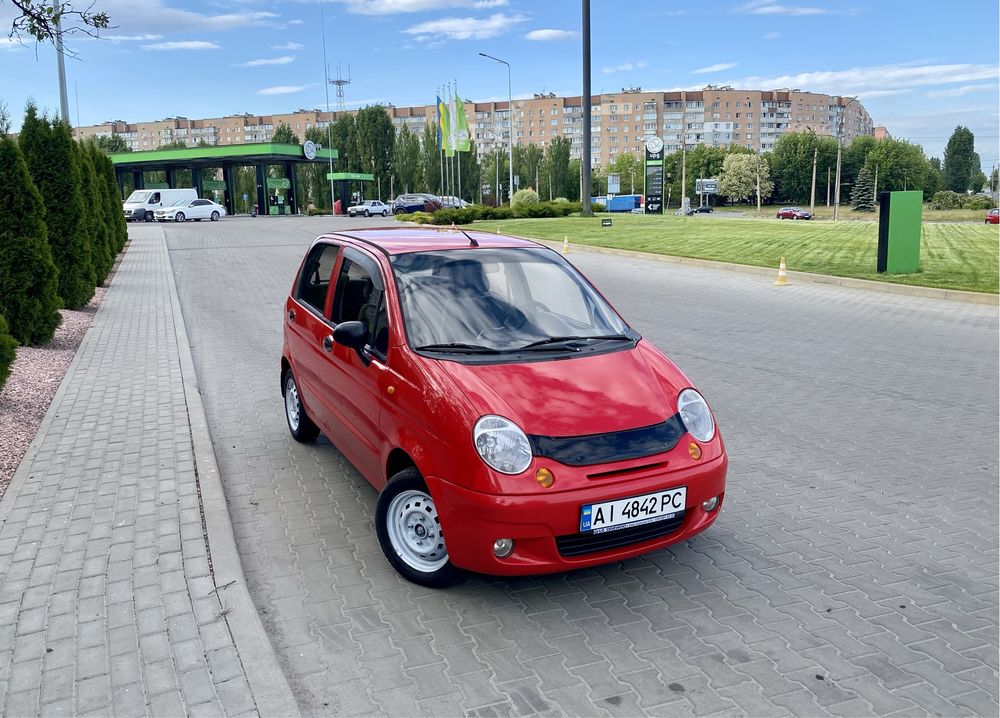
x,y
952,256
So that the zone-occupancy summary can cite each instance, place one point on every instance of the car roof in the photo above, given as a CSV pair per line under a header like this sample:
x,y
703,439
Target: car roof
x,y
400,240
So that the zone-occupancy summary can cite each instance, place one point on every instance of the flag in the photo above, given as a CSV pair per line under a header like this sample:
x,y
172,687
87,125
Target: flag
x,y
444,128
461,126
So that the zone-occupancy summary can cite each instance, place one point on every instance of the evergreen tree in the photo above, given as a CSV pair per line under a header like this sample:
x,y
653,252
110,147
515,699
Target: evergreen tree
x,y
863,193
430,160
959,163
93,214
8,351
28,276
113,201
48,150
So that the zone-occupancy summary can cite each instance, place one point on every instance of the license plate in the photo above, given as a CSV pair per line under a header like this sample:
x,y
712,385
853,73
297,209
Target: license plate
x,y
633,511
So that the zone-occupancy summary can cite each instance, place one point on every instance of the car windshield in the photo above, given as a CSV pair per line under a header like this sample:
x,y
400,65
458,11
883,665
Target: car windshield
x,y
138,197
179,203
500,300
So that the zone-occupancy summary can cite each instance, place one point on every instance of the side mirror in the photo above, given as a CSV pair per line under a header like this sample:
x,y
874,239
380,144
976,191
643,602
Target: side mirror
x,y
353,335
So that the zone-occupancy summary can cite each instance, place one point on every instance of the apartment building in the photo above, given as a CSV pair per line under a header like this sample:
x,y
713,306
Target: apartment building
x,y
620,122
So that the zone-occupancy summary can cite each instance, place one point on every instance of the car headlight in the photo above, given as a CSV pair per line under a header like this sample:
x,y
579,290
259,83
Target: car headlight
x,y
696,415
501,444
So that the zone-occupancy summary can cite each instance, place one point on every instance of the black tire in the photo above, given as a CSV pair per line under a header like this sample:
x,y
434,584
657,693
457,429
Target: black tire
x,y
385,213
399,210
413,493
215,216
367,213
300,426
179,217
148,217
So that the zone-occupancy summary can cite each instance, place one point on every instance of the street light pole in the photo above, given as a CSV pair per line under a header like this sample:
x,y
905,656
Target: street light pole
x,y
812,194
510,129
586,209
61,68
840,146
326,88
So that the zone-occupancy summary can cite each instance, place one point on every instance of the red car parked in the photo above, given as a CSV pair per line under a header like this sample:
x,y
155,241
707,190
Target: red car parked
x,y
510,418
793,213
993,217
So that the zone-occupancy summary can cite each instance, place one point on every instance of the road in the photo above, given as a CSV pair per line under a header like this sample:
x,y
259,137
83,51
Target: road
x,y
853,570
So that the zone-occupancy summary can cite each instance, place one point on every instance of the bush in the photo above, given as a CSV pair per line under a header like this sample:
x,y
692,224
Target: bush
x,y
93,215
28,276
8,350
486,212
597,207
524,197
947,199
977,201
113,202
318,212
455,215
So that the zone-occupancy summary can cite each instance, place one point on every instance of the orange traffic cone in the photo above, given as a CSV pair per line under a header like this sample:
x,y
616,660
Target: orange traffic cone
x,y
565,249
782,276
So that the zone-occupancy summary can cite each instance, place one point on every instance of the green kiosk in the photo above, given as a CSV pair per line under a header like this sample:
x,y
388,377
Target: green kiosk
x,y
899,232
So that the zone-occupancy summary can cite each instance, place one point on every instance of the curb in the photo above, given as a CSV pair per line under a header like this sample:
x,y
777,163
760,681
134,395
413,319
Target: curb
x,y
265,677
908,290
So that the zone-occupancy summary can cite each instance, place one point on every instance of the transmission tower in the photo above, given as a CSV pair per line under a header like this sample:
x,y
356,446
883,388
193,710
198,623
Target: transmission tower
x,y
340,82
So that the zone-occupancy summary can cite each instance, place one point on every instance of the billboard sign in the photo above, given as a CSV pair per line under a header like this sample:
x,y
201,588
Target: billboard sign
x,y
653,190
614,184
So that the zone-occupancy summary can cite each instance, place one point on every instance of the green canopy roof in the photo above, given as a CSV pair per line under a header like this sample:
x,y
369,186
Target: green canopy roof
x,y
242,153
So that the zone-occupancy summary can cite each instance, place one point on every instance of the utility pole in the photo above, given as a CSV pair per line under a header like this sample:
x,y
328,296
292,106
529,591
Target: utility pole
x,y
875,189
61,68
827,186
812,194
329,115
585,207
758,184
840,147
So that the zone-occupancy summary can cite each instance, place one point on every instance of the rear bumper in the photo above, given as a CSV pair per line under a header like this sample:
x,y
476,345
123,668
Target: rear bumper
x,y
472,521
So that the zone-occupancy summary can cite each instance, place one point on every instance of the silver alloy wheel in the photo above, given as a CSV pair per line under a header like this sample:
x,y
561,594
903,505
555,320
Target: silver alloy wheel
x,y
215,216
179,217
292,406
415,531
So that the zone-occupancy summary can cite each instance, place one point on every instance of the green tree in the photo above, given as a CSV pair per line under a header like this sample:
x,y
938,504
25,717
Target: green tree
x,y
48,151
738,179
863,192
557,164
28,276
528,161
312,177
173,145
45,21
118,232
574,181
471,184
792,162
283,135
430,160
345,140
959,162
630,167
376,140
114,143
93,214
493,170
993,179
933,183
8,351
901,165
406,165
704,161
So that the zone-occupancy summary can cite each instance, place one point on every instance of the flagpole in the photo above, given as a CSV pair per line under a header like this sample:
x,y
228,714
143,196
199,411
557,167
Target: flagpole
x,y
459,193
441,143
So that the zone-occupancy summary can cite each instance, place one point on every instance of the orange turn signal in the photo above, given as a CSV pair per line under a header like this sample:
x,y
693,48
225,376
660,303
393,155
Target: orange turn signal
x,y
694,451
544,477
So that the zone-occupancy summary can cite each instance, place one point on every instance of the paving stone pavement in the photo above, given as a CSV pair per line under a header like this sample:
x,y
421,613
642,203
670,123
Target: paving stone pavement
x,y
107,601
853,570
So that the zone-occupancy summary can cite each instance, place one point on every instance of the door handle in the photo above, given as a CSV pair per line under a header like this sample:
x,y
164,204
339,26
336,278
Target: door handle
x,y
328,342
291,315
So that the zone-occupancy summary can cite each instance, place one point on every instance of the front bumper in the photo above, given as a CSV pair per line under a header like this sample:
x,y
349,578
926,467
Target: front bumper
x,y
472,521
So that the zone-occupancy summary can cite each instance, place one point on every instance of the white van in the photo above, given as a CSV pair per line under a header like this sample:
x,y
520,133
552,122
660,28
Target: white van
x,y
141,204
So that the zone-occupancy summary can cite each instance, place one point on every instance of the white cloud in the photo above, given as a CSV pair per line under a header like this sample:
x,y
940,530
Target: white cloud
x,y
157,16
130,38
288,46
872,94
624,67
772,36
877,77
464,28
7,43
281,90
547,34
283,60
296,22
393,7
718,67
770,7
182,45
963,90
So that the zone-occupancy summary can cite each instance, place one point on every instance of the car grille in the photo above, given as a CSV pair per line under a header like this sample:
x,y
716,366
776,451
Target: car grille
x,y
594,449
580,544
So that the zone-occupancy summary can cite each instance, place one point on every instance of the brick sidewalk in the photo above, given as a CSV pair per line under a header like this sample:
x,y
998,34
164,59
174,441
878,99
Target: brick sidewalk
x,y
107,600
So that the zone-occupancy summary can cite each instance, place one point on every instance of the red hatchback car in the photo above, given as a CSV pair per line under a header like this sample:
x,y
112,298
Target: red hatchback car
x,y
993,217
511,420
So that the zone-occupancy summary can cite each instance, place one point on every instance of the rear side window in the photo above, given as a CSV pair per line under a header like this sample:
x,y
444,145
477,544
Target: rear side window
x,y
360,297
315,278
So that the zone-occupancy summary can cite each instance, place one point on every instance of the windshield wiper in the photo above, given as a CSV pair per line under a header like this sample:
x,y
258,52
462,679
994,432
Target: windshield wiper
x,y
459,348
546,343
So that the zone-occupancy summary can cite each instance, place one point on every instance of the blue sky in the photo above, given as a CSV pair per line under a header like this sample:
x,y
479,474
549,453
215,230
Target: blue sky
x,y
921,68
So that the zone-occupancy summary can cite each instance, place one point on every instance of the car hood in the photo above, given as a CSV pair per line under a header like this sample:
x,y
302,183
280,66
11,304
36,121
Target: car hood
x,y
575,396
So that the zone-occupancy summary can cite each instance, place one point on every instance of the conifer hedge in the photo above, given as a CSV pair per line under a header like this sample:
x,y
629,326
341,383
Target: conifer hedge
x,y
8,351
28,276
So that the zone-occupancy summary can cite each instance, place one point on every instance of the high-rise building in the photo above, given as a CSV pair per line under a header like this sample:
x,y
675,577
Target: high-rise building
x,y
620,122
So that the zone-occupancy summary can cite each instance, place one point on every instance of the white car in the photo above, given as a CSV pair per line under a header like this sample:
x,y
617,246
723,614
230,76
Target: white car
x,y
197,209
369,207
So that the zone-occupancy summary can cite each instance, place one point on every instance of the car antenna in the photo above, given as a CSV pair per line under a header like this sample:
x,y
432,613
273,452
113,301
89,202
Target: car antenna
x,y
472,241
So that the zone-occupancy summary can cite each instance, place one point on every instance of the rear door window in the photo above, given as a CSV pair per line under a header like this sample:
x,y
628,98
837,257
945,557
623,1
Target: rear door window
x,y
360,297
314,281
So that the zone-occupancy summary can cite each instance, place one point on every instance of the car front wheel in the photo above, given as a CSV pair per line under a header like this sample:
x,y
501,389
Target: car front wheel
x,y
409,532
367,213
400,210
215,216
385,213
179,217
300,425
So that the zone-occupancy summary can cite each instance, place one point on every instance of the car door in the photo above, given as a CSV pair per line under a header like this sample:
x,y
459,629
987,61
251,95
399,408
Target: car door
x,y
309,330
354,383
200,209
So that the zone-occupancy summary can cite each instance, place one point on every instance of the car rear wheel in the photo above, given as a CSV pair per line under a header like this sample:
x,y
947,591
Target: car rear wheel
x,y
215,216
385,213
400,210
179,217
409,532
300,425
